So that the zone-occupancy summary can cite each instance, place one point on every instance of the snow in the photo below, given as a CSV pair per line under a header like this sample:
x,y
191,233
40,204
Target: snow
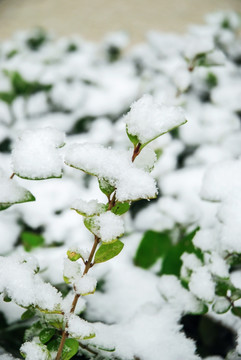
x,y
108,226
146,111
220,180
195,46
206,239
80,328
34,351
85,285
35,154
88,208
19,281
128,338
201,284
112,165
173,292
72,270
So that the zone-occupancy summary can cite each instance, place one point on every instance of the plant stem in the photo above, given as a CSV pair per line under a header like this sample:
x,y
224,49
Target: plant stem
x,y
136,152
89,264
76,298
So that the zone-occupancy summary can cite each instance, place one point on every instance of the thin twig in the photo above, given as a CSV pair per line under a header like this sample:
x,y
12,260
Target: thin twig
x,y
88,265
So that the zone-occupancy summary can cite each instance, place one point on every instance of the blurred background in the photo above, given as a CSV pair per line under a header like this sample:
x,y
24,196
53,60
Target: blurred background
x,y
93,19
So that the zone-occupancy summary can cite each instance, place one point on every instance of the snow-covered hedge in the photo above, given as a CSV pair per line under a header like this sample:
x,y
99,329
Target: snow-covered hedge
x,y
68,105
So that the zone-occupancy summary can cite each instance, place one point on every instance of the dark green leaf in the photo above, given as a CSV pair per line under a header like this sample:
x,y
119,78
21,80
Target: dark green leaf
x,y
153,246
121,208
108,251
53,345
33,331
236,310
70,348
46,334
6,298
28,314
172,261
31,240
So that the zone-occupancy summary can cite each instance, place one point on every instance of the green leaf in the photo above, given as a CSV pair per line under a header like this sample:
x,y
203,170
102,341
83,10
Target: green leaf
x,y
221,305
31,240
133,138
89,222
6,298
70,348
33,331
120,208
26,198
108,251
172,261
106,187
153,246
53,345
46,334
225,285
73,255
236,310
7,97
203,310
28,314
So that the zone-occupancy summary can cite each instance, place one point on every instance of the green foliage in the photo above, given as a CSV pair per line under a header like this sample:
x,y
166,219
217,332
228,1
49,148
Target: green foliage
x,y
154,245
28,196
31,240
106,187
133,138
236,310
172,261
108,251
70,348
28,314
21,87
211,80
121,208
73,255
46,334
37,39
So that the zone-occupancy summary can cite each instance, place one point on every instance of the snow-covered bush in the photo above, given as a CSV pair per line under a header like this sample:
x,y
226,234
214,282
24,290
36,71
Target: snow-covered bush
x,y
181,259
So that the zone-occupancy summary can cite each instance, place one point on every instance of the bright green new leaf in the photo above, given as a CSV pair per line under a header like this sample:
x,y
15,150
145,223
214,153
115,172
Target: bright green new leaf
x,y
70,348
121,208
133,138
31,240
46,334
73,255
108,251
